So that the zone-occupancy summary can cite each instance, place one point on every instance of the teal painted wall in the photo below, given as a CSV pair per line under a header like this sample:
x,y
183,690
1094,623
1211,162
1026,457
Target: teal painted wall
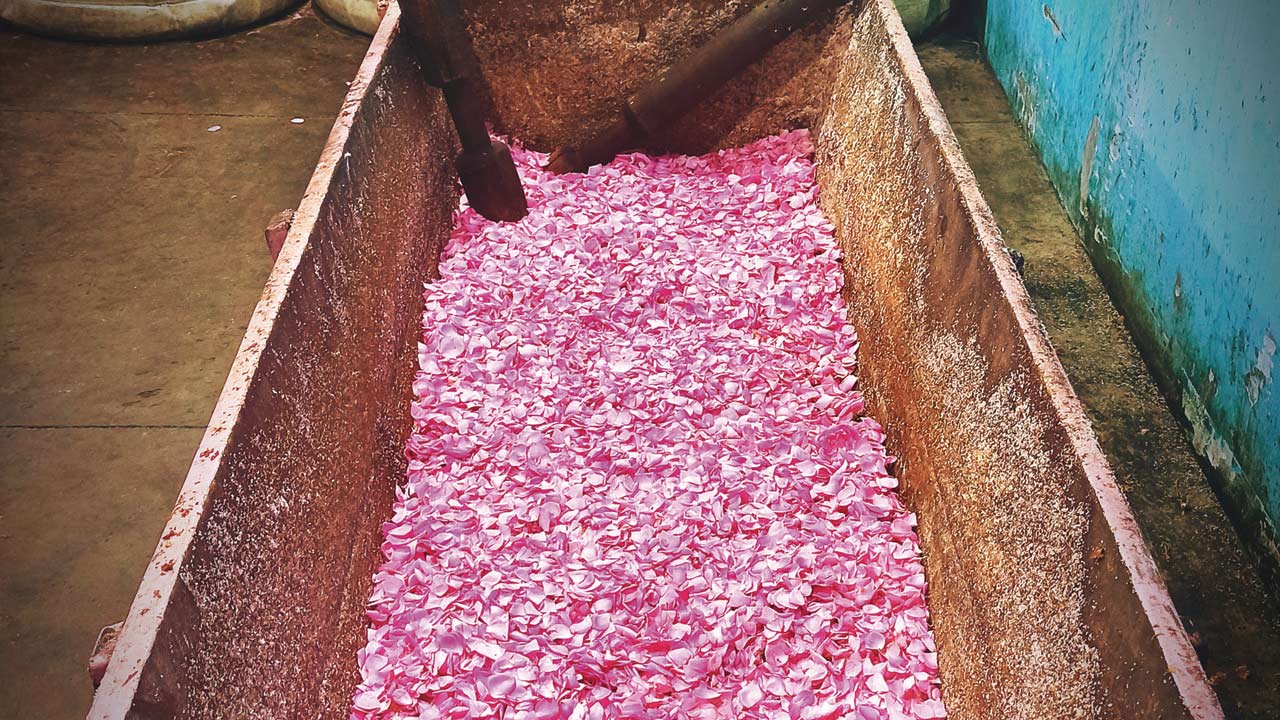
x,y
1159,124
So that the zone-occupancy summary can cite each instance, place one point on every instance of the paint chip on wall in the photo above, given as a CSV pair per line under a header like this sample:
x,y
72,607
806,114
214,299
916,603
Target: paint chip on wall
x,y
1057,29
1261,373
1086,164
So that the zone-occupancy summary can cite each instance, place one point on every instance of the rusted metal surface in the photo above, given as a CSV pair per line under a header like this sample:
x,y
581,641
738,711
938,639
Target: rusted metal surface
x,y
649,111
1045,601
102,649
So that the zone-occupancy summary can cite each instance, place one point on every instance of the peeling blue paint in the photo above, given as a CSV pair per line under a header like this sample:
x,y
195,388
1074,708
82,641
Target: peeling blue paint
x,y
1159,124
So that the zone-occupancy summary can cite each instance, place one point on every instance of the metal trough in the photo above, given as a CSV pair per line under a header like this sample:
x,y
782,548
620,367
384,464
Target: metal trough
x,y
1046,603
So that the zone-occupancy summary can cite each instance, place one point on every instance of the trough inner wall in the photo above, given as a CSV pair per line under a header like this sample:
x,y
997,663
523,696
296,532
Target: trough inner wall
x,y
1034,613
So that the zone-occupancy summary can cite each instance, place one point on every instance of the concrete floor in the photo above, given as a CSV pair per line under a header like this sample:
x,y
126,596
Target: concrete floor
x,y
131,258
132,255
1214,584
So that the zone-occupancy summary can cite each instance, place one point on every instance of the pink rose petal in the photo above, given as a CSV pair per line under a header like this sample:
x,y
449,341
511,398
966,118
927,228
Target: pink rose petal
x,y
750,695
640,483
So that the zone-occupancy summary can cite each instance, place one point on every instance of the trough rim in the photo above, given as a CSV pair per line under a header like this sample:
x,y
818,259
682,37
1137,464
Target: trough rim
x,y
121,683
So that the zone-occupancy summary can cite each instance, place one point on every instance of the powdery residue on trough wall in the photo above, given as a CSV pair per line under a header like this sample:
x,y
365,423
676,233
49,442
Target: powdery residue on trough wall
x,y
1008,506
1005,539
253,602
1044,601
299,500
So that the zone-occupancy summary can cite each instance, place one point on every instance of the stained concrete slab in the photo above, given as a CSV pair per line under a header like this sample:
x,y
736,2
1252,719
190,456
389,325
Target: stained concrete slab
x,y
171,203
1213,582
81,509
131,258
278,69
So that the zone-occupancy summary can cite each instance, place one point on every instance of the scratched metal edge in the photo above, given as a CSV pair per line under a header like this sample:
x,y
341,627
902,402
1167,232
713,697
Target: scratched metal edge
x,y
115,697
1184,666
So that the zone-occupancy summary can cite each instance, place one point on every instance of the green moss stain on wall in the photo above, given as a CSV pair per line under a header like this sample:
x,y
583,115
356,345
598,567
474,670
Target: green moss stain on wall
x,y
1159,124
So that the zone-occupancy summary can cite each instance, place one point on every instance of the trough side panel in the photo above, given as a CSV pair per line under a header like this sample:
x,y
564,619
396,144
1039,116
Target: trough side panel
x,y
282,566
253,604
1033,603
408,207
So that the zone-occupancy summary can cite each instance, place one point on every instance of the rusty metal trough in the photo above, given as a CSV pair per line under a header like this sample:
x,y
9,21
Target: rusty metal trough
x,y
1045,601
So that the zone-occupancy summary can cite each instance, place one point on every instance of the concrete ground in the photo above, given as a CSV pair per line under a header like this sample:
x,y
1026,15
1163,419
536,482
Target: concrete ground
x,y
131,256
1214,584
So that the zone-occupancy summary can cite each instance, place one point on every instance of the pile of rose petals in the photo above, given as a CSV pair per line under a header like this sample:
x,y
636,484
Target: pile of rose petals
x,y
640,483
